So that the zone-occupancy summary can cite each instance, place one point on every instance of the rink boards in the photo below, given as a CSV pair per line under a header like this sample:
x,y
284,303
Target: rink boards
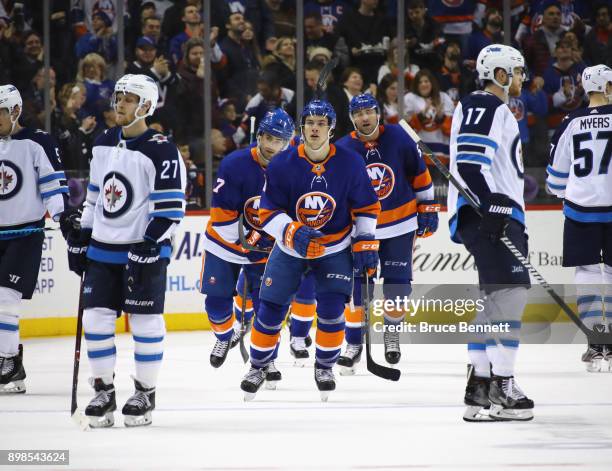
x,y
437,260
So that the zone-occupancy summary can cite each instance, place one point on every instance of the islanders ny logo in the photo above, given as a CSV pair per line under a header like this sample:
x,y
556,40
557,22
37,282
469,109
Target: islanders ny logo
x,y
315,209
382,178
251,212
10,179
117,195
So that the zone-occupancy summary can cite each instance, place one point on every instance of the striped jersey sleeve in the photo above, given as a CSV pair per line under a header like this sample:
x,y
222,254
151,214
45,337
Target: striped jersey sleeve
x,y
559,160
52,182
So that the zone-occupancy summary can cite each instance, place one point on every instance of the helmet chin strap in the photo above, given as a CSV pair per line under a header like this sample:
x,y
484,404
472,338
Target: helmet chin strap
x,y
13,123
136,117
264,161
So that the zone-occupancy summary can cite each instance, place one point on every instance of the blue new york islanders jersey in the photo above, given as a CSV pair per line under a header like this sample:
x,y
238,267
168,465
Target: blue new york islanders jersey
x,y
325,195
237,191
136,189
399,177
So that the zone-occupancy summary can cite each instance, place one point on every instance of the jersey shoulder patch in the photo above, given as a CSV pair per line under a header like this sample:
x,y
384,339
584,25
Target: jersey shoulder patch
x,y
110,137
43,139
481,99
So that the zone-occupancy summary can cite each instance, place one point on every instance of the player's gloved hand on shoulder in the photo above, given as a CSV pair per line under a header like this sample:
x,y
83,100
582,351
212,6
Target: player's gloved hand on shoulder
x,y
365,254
78,241
427,217
300,237
70,220
496,211
140,257
262,242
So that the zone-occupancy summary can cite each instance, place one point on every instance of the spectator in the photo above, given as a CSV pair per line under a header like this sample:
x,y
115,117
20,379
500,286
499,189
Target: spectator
x,y
562,84
192,22
352,84
319,54
248,38
219,150
315,36
83,11
540,46
330,11
282,62
242,65
455,78
255,11
33,115
283,16
92,72
424,36
27,64
455,18
229,124
387,99
270,96
101,40
598,41
366,33
151,28
6,49
490,34
429,112
391,65
572,40
194,191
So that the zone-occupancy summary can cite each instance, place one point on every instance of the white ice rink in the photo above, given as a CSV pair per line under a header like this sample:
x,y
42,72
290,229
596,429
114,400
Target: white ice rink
x,y
201,421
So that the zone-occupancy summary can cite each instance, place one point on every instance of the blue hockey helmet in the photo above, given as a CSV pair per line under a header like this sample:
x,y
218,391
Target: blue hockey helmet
x,y
277,123
320,108
363,101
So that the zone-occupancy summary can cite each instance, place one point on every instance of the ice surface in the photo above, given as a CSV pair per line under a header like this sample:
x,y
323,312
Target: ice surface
x,y
201,421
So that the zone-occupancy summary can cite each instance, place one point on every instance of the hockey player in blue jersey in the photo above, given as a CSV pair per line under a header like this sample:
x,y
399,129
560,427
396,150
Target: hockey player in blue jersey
x,y
580,172
311,197
237,193
32,182
486,158
403,185
135,200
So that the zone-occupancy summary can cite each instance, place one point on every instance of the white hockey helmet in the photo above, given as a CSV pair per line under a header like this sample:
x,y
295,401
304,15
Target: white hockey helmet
x,y
10,98
595,78
142,86
497,56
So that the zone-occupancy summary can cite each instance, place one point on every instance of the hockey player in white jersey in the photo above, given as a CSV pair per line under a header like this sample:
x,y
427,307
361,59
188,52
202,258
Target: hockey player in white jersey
x,y
581,174
486,158
135,200
32,182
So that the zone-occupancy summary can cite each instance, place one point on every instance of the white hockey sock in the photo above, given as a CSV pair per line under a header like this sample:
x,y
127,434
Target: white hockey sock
x,y
10,301
148,331
607,280
99,328
479,359
588,280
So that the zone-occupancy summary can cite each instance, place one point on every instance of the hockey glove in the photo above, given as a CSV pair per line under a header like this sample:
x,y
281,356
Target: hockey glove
x,y
365,254
496,211
70,220
78,241
427,218
299,237
141,257
262,242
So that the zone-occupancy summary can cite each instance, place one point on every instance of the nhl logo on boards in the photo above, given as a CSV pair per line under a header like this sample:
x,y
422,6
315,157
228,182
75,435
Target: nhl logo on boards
x,y
268,281
117,195
382,178
251,212
10,179
315,209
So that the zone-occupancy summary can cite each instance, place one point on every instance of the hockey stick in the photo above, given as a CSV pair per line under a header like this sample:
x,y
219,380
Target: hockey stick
x,y
243,241
376,369
592,336
31,230
252,130
323,76
78,417
243,350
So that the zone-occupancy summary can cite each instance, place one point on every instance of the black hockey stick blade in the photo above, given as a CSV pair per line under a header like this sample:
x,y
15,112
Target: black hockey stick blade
x,y
324,76
245,243
77,416
376,369
243,350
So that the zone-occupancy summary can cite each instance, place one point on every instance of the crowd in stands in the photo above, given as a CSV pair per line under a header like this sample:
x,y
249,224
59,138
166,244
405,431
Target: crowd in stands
x,y
253,63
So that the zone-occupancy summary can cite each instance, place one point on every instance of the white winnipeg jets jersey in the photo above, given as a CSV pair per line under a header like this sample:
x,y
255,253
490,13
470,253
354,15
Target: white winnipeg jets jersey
x,y
32,180
485,154
136,190
580,164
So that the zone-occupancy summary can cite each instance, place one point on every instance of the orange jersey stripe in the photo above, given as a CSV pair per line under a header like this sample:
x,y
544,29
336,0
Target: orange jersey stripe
x,y
453,18
238,302
330,339
373,209
213,234
222,215
224,327
303,310
264,214
261,340
422,180
396,214
353,316
331,238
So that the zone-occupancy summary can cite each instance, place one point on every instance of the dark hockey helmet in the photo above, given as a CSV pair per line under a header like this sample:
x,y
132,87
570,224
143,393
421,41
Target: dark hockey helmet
x,y
278,124
320,108
363,101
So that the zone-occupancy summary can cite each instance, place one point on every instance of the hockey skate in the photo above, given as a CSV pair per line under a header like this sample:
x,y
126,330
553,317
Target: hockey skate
x,y
325,380
252,381
352,356
137,410
476,398
12,374
508,402
100,410
392,347
299,350
273,376
596,358
219,352
239,333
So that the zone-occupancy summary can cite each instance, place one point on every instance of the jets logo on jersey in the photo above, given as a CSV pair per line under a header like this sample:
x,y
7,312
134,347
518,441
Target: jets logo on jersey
x,y
382,178
251,212
10,179
315,208
517,156
118,195
159,138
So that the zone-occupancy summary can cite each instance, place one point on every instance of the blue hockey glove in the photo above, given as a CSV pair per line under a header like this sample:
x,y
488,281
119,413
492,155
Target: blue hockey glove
x,y
427,217
78,242
141,257
365,254
299,237
496,211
